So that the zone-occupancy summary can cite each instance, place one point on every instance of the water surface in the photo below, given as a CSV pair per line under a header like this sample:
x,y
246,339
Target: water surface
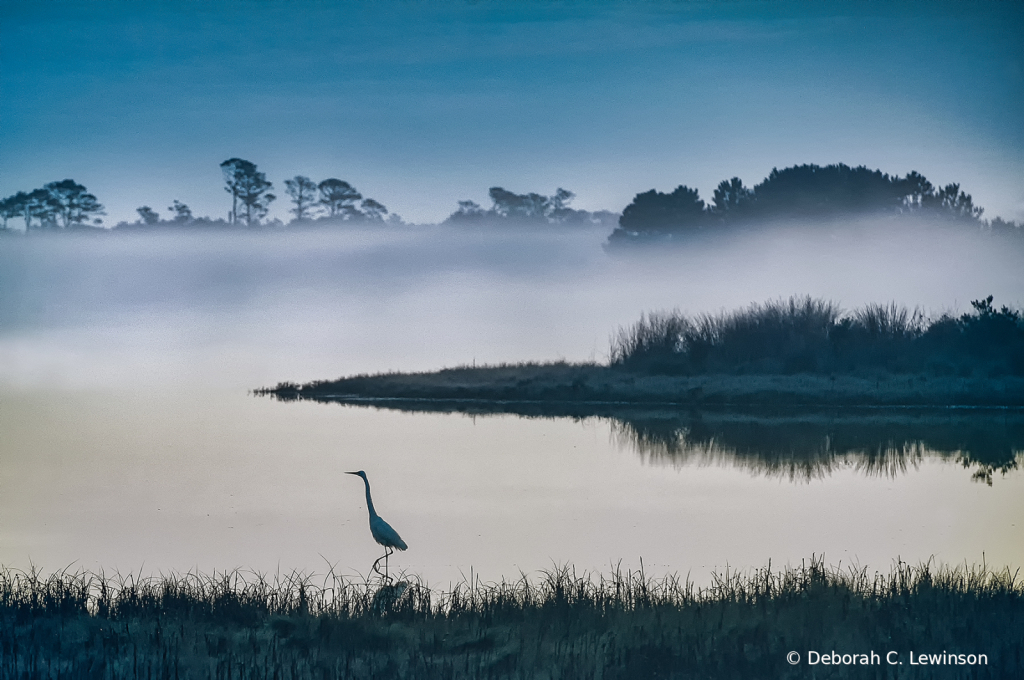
x,y
131,442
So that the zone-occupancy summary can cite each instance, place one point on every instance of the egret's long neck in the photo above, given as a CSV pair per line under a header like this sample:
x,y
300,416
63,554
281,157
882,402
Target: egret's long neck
x,y
369,501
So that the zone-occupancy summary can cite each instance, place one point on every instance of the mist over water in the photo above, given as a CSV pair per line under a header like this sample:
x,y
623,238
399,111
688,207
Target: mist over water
x,y
318,304
130,438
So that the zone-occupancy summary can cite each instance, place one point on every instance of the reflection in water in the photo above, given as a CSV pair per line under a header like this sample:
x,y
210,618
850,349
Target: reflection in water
x,y
809,446
793,450
796,445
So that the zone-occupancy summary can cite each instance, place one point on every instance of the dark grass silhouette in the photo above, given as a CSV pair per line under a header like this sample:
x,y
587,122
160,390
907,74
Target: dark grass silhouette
x,y
624,625
809,335
800,351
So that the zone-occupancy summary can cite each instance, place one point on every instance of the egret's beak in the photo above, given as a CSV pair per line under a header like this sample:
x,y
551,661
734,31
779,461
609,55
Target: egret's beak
x,y
351,473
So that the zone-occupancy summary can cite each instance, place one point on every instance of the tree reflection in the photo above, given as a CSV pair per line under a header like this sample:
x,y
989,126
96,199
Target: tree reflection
x,y
812,446
758,447
794,445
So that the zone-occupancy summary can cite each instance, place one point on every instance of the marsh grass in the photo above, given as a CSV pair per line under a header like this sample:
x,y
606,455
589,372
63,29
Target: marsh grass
x,y
812,335
797,352
562,625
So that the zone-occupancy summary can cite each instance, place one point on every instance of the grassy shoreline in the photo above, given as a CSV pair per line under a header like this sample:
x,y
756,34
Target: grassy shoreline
x,y
797,352
562,382
622,625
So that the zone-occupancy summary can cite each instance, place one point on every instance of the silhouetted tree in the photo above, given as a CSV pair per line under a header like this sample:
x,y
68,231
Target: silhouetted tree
x,y
148,215
232,169
956,204
469,211
247,186
256,198
531,207
508,205
801,191
559,211
373,210
182,213
303,192
654,212
41,205
71,203
13,206
816,191
731,196
339,197
811,190
915,190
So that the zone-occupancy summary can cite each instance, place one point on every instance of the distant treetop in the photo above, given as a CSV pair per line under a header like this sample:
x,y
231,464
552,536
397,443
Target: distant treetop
x,y
57,205
537,209
798,192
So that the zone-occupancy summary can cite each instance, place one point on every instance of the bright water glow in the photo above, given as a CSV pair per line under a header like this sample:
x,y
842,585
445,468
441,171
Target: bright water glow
x,y
130,441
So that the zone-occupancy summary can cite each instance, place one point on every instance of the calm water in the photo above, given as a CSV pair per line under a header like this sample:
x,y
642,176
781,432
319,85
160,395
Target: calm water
x,y
130,441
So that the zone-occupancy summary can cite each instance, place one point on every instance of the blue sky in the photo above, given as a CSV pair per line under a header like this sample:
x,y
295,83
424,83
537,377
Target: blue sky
x,y
421,104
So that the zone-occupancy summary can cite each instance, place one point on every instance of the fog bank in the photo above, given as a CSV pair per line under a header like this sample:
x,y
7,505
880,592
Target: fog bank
x,y
252,309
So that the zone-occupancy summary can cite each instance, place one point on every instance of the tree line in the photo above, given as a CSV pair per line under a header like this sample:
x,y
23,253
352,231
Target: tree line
x,y
332,200
532,208
59,205
798,192
67,205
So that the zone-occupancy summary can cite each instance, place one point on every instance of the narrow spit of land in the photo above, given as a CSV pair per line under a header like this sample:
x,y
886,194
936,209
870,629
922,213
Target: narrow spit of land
x,y
567,383
782,353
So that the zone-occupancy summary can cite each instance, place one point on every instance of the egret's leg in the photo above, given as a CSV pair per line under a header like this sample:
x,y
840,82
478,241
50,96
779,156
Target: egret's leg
x,y
376,566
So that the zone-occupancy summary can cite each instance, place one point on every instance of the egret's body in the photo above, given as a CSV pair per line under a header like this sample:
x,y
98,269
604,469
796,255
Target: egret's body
x,y
379,529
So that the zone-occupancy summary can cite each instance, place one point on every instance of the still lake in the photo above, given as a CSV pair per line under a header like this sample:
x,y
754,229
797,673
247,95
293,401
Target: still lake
x,y
129,440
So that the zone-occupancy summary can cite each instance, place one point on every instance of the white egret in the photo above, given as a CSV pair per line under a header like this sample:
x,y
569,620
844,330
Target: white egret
x,y
380,530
